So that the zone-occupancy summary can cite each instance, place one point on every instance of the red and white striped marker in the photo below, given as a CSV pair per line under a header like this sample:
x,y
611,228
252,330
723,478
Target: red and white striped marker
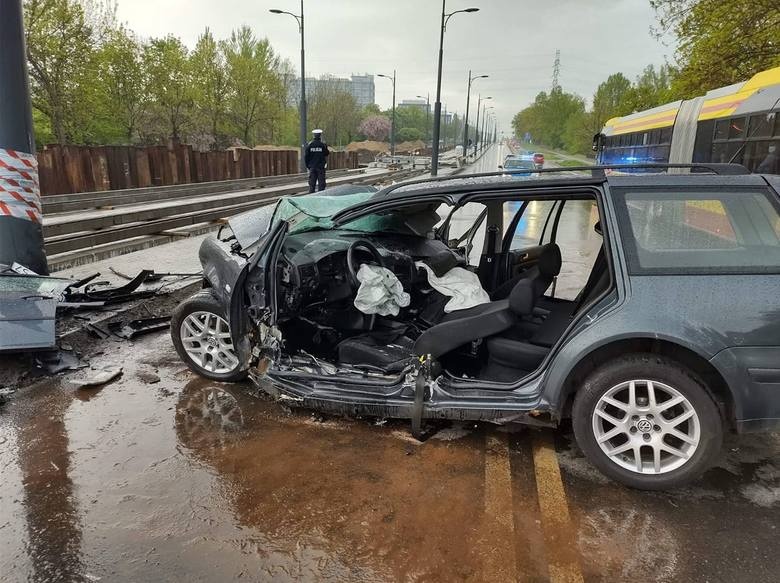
x,y
20,191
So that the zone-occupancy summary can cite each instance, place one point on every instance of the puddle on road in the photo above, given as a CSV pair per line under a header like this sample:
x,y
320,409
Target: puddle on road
x,y
184,479
138,481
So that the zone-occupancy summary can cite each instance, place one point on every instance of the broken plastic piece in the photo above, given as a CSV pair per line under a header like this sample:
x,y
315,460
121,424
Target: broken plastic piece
x,y
102,377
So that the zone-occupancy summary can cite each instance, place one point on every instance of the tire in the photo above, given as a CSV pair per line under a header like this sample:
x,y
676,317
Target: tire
x,y
198,328
677,439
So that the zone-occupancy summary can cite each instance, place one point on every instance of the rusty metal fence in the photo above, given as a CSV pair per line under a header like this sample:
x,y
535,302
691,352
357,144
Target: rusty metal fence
x,y
71,169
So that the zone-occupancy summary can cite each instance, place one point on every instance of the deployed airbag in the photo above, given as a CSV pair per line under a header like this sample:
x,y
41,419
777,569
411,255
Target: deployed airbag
x,y
380,291
460,284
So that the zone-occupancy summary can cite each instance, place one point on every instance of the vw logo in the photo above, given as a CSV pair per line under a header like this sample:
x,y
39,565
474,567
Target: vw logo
x,y
644,426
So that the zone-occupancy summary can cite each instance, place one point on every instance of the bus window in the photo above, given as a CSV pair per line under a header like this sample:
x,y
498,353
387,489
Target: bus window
x,y
762,157
666,135
726,152
761,125
722,129
737,128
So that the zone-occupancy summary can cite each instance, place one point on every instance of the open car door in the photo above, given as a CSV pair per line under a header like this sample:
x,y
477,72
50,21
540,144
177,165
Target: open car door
x,y
253,307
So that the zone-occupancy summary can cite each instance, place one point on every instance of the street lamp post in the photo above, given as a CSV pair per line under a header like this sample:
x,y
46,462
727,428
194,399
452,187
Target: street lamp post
x,y
392,124
466,126
427,99
446,125
437,106
485,109
480,99
302,106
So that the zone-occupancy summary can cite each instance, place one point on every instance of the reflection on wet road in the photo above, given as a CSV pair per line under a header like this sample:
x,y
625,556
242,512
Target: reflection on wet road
x,y
190,480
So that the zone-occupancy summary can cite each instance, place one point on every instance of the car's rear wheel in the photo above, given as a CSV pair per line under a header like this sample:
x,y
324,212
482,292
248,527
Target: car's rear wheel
x,y
201,335
648,422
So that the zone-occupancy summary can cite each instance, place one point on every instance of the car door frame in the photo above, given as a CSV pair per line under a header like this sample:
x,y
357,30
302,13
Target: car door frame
x,y
536,382
259,290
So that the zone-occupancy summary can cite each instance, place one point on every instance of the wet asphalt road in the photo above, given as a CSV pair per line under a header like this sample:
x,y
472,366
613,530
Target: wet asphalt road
x,y
182,479
162,475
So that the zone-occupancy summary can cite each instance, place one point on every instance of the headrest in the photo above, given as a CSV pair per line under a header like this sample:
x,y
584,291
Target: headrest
x,y
549,262
521,298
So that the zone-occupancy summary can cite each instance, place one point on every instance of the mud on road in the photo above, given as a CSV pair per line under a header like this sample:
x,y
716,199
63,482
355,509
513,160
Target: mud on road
x,y
161,475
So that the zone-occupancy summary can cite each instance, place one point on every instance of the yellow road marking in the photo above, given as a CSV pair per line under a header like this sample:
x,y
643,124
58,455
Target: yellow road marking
x,y
500,562
559,534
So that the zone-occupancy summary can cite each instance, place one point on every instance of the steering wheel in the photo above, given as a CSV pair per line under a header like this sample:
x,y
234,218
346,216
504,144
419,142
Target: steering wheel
x,y
352,264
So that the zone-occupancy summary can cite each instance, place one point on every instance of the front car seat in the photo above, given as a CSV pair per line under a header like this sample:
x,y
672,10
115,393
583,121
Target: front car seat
x,y
464,326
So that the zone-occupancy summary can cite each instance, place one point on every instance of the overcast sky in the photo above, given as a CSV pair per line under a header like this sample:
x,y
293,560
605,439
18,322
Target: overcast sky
x,y
513,41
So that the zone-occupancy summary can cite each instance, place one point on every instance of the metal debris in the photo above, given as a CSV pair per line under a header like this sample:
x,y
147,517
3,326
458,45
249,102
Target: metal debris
x,y
54,362
139,327
97,292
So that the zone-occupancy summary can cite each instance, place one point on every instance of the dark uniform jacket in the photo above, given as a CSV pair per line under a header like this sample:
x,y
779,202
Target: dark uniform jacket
x,y
316,154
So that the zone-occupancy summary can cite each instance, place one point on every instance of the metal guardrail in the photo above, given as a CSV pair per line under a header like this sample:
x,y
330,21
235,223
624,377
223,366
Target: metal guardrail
x,y
86,200
103,228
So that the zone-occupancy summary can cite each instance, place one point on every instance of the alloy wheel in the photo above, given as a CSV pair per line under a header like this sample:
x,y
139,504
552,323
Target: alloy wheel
x,y
647,427
206,339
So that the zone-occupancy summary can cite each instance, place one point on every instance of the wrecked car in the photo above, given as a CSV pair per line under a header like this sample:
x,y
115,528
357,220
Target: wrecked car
x,y
642,306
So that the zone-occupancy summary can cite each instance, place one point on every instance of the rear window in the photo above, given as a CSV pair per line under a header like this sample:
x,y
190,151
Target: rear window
x,y
701,232
522,164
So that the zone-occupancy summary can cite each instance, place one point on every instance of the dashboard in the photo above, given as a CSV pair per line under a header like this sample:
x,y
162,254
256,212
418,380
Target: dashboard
x,y
312,269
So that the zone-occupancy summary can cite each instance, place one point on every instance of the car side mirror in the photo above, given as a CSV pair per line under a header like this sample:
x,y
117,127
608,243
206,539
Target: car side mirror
x,y
598,141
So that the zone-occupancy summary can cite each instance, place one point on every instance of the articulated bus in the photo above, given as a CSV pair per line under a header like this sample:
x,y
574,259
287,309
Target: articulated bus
x,y
739,123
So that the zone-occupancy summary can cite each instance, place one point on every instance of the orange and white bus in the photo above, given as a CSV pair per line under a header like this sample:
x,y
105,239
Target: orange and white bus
x,y
739,123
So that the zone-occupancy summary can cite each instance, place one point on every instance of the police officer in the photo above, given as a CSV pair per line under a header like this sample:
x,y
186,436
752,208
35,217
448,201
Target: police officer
x,y
316,158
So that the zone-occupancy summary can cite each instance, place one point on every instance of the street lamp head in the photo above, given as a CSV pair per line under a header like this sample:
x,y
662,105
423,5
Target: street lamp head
x,y
471,10
484,98
276,11
482,77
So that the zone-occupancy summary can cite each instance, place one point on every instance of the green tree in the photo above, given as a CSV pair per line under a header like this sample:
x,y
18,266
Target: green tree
x,y
547,117
409,117
611,99
211,89
336,112
60,53
651,89
251,65
579,131
369,110
122,86
409,134
170,84
720,41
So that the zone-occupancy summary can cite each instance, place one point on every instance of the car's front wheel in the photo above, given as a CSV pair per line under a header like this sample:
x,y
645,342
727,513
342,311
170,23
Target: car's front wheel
x,y
201,335
648,422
